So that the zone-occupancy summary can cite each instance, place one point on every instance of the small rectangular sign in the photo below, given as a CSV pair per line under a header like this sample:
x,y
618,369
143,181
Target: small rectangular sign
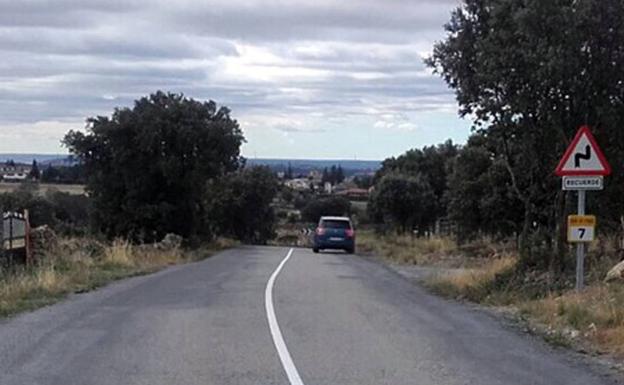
x,y
582,183
581,228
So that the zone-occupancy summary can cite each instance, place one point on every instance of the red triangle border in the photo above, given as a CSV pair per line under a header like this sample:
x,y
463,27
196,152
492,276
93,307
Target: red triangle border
x,y
584,130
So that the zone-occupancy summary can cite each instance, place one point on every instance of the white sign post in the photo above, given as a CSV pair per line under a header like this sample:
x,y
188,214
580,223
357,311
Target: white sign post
x,y
582,167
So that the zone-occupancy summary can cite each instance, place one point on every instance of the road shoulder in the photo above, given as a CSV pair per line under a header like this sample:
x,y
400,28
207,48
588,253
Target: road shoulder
x,y
509,318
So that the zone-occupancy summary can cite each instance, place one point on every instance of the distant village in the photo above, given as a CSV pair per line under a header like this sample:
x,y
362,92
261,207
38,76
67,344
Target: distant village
x,y
330,181
62,171
352,184
17,172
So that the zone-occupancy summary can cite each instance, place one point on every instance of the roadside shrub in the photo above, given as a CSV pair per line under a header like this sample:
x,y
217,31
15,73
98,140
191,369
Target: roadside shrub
x,y
65,213
72,212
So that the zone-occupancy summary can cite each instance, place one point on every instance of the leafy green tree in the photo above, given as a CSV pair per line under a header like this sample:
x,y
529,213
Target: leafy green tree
x,y
480,198
403,200
147,166
428,164
530,73
240,204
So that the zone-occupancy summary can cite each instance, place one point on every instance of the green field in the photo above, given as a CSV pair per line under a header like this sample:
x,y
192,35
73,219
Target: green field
x,y
74,189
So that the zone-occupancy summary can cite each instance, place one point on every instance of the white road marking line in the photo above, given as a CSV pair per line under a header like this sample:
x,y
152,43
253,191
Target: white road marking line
x,y
278,339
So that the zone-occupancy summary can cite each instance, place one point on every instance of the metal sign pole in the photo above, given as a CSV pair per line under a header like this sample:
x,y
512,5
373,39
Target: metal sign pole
x,y
580,247
583,165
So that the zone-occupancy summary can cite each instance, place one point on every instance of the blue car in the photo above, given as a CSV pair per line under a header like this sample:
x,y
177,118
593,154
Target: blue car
x,y
334,233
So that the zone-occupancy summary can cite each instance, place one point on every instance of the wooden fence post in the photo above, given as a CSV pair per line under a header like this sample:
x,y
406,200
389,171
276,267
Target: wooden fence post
x,y
27,244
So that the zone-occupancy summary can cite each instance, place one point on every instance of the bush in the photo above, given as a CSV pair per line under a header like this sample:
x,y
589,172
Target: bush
x,y
65,213
319,207
72,212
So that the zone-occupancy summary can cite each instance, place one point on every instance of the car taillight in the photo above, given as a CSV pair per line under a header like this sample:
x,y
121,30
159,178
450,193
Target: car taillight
x,y
320,231
350,233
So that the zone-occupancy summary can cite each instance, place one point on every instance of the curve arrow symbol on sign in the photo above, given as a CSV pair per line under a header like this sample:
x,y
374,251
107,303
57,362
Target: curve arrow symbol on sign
x,y
585,156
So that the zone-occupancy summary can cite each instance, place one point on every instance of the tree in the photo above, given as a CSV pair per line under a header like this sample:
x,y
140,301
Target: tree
x,y
147,166
333,175
35,174
64,174
340,177
325,178
331,206
50,174
480,198
428,164
530,73
403,200
239,204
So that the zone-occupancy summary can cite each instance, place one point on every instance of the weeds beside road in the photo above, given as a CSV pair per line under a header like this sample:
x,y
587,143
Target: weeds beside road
x,y
81,265
487,273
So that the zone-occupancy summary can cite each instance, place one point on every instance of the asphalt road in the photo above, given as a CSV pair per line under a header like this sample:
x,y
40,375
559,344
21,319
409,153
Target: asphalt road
x,y
337,319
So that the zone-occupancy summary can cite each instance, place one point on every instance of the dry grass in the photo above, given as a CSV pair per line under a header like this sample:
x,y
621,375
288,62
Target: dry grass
x,y
407,249
595,315
474,284
120,253
83,265
480,277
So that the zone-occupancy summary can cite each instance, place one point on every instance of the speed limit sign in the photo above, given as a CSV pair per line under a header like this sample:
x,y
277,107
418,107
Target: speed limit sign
x,y
581,228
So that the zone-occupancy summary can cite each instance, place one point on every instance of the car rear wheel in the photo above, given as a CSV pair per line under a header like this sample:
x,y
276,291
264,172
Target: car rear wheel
x,y
315,250
350,250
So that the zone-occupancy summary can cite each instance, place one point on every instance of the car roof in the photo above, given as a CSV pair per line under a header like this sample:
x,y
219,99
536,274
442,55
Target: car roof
x,y
335,219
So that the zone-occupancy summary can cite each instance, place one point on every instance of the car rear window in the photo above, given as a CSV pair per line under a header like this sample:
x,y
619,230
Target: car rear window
x,y
333,224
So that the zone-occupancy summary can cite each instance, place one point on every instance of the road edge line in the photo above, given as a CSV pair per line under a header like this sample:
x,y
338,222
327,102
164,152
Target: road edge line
x,y
276,333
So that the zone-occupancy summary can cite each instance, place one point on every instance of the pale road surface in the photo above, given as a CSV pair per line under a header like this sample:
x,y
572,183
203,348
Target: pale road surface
x,y
340,319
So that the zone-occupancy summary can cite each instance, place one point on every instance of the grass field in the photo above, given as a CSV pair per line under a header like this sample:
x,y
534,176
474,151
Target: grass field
x,y
74,189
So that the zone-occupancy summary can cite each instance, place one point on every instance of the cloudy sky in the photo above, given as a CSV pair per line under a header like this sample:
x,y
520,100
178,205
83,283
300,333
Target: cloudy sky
x,y
305,78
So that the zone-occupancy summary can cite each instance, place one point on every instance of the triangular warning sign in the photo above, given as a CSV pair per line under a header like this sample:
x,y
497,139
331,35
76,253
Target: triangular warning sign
x,y
583,157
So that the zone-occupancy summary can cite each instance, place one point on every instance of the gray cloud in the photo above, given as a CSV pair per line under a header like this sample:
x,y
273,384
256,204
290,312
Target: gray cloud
x,y
287,65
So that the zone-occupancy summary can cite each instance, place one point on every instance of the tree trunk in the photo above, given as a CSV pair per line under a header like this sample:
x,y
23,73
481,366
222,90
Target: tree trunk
x,y
524,248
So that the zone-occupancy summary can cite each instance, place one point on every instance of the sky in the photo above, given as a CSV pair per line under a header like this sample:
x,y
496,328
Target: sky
x,y
311,79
